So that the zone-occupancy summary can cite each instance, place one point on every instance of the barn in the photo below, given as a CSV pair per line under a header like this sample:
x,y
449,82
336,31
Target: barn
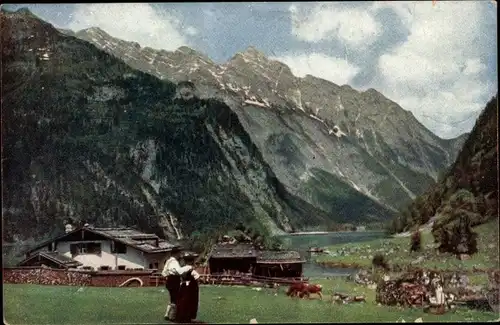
x,y
279,264
239,257
244,258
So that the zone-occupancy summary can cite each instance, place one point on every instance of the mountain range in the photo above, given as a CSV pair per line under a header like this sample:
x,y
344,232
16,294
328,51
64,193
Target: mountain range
x,y
101,130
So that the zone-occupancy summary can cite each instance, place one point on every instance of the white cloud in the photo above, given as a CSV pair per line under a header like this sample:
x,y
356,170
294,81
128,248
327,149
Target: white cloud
x,y
355,27
437,73
333,69
138,22
191,31
473,66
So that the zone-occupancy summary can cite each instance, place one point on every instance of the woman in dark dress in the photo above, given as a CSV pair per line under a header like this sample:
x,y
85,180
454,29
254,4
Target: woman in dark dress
x,y
188,298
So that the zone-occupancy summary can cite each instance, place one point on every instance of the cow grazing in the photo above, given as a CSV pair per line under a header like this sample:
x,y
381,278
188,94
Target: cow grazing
x,y
304,290
295,289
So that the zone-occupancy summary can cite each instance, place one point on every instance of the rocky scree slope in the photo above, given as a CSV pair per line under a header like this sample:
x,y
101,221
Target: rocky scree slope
x,y
326,143
87,138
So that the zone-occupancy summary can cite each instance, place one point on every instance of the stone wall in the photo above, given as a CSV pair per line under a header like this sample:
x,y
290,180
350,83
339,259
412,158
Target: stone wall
x,y
115,279
48,276
45,276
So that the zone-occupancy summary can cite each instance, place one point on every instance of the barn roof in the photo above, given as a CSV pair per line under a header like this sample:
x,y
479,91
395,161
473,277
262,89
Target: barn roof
x,y
59,259
279,257
131,237
233,251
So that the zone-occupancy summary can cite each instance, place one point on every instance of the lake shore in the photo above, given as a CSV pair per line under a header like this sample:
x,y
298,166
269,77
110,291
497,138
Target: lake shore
x,y
308,233
331,232
397,254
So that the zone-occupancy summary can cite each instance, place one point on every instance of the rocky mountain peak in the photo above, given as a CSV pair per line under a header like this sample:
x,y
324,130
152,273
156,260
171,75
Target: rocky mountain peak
x,y
373,92
253,57
252,51
189,52
25,11
94,30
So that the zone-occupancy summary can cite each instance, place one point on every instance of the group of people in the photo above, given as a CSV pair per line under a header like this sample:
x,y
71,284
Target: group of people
x,y
183,288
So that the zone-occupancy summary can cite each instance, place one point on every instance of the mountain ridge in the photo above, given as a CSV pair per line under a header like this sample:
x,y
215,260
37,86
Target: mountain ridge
x,y
250,84
251,49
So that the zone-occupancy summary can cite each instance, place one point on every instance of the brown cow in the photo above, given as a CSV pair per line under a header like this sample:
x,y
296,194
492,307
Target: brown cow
x,y
304,290
295,289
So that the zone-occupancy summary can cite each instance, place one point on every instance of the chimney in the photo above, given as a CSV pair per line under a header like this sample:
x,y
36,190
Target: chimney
x,y
68,228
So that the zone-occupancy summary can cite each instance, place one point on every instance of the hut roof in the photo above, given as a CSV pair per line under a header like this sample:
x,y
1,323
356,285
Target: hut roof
x,y
59,259
279,257
233,251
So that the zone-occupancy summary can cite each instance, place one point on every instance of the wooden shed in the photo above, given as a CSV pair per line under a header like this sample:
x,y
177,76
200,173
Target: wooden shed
x,y
279,264
232,257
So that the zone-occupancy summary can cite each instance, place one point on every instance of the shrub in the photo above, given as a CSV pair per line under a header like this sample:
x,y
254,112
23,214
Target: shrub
x,y
456,236
379,261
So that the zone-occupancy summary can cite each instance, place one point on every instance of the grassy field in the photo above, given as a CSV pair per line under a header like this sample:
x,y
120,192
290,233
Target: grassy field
x,y
397,252
34,304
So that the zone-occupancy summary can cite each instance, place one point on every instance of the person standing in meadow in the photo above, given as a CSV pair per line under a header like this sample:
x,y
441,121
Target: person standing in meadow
x,y
173,272
188,297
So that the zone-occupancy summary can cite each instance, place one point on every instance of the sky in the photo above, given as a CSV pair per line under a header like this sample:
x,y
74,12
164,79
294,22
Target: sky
x,y
438,60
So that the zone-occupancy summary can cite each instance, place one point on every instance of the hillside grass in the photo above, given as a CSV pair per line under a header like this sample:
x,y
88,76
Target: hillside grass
x,y
36,304
396,250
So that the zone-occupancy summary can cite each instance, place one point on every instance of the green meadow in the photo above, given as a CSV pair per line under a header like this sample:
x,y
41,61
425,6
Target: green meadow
x,y
36,304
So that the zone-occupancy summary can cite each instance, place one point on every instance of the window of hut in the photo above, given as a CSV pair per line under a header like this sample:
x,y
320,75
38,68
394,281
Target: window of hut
x,y
104,268
118,248
92,248
121,267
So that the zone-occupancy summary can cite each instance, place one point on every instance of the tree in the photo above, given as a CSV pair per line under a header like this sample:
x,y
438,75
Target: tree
x,y
380,262
464,239
455,234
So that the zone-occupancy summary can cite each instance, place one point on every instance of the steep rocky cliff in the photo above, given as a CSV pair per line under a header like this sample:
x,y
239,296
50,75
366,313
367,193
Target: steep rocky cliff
x,y
323,141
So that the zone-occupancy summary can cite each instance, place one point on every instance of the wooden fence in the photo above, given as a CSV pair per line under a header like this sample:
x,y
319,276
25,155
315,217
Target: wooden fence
x,y
48,276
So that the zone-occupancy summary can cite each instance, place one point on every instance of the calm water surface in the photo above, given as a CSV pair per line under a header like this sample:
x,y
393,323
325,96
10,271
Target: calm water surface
x,y
301,243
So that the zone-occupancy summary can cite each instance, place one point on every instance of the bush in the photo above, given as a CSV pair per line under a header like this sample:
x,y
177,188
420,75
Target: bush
x,y
456,236
379,261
